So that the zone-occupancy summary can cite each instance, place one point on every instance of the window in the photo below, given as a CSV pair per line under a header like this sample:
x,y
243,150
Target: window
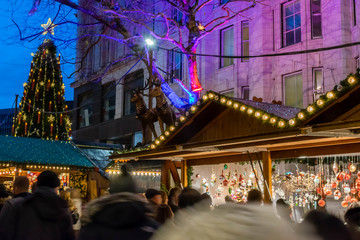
x,y
354,11
227,46
175,67
177,15
245,92
293,90
224,1
132,82
318,79
316,31
85,104
228,93
245,40
108,93
357,63
291,23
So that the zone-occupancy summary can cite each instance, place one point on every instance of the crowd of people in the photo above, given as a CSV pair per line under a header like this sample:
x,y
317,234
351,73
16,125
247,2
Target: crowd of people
x,y
124,213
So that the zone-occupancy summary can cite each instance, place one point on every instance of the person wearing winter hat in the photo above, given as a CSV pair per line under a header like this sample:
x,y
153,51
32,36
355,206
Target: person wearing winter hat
x,y
121,214
44,215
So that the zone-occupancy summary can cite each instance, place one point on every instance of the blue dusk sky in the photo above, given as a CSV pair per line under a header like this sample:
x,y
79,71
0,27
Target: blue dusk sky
x,y
15,55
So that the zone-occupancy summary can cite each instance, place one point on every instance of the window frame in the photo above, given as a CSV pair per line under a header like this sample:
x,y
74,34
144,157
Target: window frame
x,y
312,22
354,20
283,23
283,85
221,46
88,104
357,63
243,92
133,75
108,90
247,22
317,92
172,63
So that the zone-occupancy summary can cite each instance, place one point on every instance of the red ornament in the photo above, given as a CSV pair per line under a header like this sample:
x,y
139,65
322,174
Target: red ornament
x,y
334,185
48,85
353,190
51,129
328,192
39,114
33,84
353,200
347,177
50,106
339,177
347,198
61,117
321,203
358,174
337,194
344,204
26,127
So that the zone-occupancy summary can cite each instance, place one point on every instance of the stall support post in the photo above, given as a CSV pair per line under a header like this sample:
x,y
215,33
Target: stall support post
x,y
165,176
266,156
184,180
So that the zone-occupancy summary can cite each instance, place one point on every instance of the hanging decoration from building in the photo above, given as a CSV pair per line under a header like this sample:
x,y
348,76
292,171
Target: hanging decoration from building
x,y
43,108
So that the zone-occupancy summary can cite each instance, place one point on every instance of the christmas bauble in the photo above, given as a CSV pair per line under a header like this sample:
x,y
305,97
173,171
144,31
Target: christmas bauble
x,y
353,190
321,203
353,200
337,194
347,198
344,204
352,168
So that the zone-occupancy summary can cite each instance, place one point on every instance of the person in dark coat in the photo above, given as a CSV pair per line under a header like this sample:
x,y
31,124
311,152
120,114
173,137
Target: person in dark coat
x,y
42,216
122,214
4,195
174,198
21,192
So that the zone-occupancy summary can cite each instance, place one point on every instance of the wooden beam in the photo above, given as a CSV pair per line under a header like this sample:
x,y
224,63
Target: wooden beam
x,y
184,169
317,151
267,169
174,174
220,159
165,180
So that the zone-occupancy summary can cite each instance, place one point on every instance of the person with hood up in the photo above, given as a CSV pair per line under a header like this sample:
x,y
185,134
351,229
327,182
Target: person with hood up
x,y
122,214
42,216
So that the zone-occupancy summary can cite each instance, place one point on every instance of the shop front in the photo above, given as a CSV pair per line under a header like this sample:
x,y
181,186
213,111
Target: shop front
x,y
226,146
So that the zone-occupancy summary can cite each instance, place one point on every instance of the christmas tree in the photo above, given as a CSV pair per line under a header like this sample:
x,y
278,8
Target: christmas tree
x,y
42,107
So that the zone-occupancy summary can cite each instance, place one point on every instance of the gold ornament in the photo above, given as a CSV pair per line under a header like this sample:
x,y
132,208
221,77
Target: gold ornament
x,y
24,117
52,85
42,83
352,168
51,118
48,27
24,84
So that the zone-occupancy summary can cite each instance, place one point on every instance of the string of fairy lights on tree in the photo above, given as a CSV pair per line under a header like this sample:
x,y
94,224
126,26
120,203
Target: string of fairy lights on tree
x,y
43,102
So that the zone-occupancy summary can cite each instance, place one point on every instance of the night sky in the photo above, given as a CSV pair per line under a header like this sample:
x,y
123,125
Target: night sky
x,y
15,55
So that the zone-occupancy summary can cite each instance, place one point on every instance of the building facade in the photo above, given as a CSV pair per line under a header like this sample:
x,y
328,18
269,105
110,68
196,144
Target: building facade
x,y
6,121
106,114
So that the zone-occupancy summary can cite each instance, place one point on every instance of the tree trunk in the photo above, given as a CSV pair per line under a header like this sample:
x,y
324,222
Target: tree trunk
x,y
194,79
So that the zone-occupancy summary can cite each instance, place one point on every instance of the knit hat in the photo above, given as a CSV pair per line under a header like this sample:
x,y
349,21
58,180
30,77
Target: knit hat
x,y
48,179
150,193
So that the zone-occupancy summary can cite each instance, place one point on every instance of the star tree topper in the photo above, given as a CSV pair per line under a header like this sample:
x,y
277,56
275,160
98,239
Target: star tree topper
x,y
48,27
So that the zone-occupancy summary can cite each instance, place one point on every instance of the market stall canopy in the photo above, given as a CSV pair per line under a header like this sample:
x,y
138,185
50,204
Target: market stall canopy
x,y
21,150
218,125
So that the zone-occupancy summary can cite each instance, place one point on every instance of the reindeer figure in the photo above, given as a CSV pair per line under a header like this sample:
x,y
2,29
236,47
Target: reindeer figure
x,y
146,116
165,112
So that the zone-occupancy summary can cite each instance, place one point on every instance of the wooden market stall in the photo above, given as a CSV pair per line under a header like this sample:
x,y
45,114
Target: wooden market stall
x,y
30,156
219,129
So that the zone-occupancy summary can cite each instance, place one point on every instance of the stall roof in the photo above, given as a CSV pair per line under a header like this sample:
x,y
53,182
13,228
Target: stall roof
x,y
39,151
219,125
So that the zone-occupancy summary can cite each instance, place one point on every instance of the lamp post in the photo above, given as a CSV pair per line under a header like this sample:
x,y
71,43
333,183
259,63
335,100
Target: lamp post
x,y
150,44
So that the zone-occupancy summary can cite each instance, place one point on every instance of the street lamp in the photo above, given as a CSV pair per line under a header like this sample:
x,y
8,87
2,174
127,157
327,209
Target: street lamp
x,y
149,42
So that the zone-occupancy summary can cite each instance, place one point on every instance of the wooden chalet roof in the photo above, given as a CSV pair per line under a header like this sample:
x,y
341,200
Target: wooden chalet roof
x,y
219,123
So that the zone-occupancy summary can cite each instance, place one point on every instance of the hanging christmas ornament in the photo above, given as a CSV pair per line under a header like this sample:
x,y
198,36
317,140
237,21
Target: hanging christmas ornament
x,y
344,204
339,177
333,184
321,203
328,192
358,174
347,198
347,177
353,190
222,177
337,194
225,166
335,168
225,183
352,167
353,200
252,175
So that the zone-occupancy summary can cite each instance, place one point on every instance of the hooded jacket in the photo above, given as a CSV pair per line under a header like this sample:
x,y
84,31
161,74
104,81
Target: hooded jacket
x,y
42,216
117,216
